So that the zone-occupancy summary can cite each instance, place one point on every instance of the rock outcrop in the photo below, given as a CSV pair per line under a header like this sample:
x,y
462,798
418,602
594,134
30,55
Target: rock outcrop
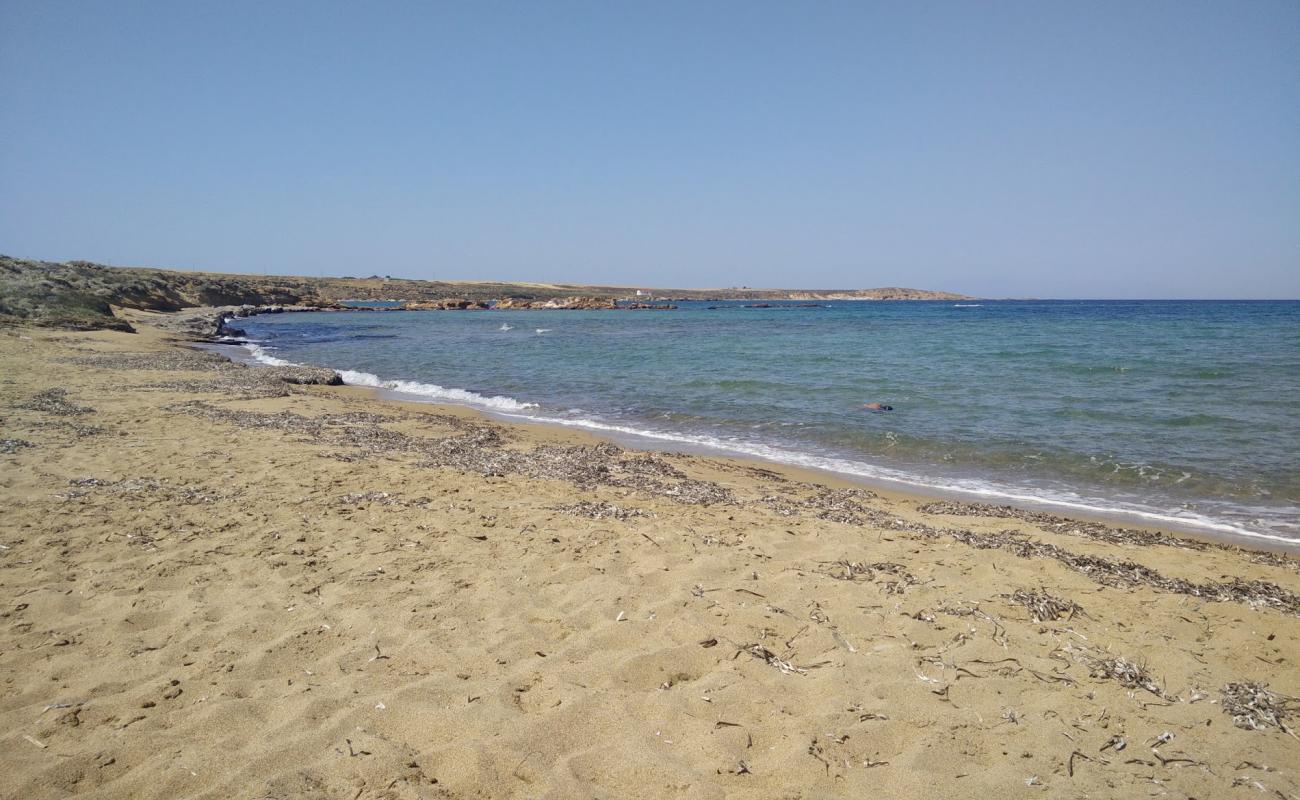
x,y
446,304
306,375
581,303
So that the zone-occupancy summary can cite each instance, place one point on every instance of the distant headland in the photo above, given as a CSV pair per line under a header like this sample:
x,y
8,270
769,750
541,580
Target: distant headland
x,y
82,294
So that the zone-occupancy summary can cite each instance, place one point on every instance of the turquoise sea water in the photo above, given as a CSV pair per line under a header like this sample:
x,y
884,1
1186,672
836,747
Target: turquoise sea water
x,y
1184,412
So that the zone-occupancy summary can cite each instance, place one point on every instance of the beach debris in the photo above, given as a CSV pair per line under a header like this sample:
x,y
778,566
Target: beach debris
x,y
1116,743
164,491
1164,738
772,659
1043,606
475,446
372,498
355,751
1253,706
779,504
228,378
600,510
622,617
1130,674
815,749
845,570
35,741
56,402
1069,767
1097,531
835,505
1005,668
1056,524
172,359
11,446
1120,574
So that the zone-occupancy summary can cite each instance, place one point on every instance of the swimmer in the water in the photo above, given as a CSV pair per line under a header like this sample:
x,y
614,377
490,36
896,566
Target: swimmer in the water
x,y
877,407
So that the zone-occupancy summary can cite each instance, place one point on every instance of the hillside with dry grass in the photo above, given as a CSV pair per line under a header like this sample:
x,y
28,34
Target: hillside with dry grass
x,y
81,294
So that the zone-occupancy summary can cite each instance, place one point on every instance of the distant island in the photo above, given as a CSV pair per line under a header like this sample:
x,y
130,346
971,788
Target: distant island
x,y
82,294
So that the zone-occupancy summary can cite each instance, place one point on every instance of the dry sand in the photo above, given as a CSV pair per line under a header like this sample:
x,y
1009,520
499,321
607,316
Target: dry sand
x,y
216,584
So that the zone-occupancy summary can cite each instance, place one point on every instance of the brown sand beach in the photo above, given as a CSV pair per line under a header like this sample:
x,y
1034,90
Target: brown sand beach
x,y
219,582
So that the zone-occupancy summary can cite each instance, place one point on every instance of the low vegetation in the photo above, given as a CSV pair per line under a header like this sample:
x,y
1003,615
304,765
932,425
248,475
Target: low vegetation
x,y
80,295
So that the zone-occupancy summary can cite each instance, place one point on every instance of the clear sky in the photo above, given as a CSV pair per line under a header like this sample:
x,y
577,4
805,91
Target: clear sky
x,y
1053,149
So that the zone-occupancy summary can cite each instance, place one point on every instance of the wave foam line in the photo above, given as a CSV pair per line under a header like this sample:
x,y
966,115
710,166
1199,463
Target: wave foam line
x,y
259,354
871,472
433,391
511,407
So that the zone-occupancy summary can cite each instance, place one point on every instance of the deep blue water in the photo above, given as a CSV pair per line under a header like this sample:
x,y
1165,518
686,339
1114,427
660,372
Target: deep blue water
x,y
1172,409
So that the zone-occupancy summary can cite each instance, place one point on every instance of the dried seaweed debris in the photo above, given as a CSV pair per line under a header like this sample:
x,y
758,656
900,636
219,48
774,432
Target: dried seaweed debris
x,y
1254,707
56,402
600,510
1043,606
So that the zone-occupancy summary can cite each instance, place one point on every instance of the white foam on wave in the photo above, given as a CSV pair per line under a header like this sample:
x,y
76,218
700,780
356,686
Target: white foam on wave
x,y
259,354
967,305
540,331
433,391
506,327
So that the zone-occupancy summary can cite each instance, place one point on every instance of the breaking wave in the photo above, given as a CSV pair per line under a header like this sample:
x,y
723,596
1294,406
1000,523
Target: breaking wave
x,y
433,391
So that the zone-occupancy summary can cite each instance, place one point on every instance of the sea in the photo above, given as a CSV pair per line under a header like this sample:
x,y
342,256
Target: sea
x,y
1179,414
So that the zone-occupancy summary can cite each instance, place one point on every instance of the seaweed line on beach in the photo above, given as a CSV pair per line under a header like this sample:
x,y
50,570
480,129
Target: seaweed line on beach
x,y
1051,523
56,402
83,487
478,448
1119,574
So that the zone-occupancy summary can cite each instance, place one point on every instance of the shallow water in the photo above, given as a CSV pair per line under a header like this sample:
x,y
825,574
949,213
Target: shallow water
x,y
1183,412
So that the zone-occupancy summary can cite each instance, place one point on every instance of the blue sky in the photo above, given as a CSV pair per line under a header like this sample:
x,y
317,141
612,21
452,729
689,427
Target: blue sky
x,y
1048,149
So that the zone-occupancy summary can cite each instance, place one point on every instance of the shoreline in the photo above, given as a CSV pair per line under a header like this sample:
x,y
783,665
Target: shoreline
x,y
420,601
917,486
